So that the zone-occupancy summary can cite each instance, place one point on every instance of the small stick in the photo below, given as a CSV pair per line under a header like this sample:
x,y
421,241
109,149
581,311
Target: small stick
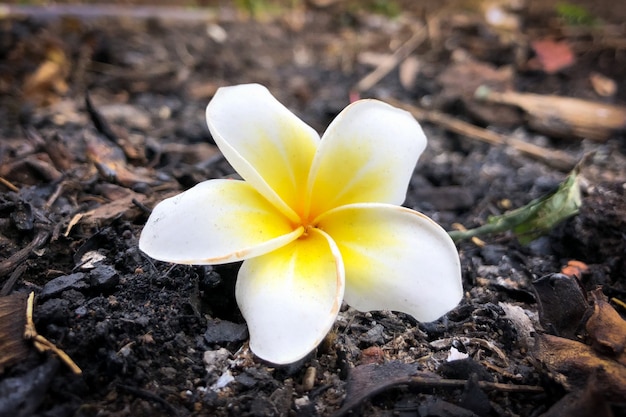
x,y
6,288
555,159
8,184
150,396
490,386
619,302
430,382
398,56
11,262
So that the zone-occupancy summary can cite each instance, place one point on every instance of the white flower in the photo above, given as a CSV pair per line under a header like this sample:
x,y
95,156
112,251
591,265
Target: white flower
x,y
315,221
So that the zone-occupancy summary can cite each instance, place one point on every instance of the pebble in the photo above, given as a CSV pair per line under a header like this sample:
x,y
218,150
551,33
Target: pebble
x,y
375,335
104,278
220,331
63,283
55,310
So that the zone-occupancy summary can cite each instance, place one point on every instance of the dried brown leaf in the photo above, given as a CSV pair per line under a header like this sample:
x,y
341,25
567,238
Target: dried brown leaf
x,y
573,364
563,116
607,329
49,79
110,161
553,56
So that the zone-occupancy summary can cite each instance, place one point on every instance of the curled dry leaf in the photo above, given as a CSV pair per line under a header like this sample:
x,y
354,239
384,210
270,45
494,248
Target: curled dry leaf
x,y
111,162
564,117
607,329
574,363
49,79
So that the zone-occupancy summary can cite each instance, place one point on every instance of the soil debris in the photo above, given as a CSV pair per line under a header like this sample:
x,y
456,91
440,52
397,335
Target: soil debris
x,y
79,176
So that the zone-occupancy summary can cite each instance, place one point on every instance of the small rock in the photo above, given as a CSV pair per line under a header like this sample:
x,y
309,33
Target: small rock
x,y
216,363
55,310
220,331
215,359
168,372
463,369
104,278
374,335
246,380
22,395
76,298
63,283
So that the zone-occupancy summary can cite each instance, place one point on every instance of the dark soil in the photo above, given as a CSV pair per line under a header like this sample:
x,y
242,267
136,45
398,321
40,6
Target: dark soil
x,y
159,339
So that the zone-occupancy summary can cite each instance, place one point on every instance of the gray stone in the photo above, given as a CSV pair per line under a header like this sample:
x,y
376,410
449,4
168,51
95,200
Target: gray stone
x,y
220,331
63,283
104,278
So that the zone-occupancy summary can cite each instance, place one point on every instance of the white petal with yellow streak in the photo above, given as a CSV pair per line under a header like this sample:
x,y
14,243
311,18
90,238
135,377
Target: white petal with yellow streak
x,y
290,297
395,259
367,154
215,222
266,143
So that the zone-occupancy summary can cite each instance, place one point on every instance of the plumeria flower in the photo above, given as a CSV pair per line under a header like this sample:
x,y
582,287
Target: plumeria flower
x,y
316,222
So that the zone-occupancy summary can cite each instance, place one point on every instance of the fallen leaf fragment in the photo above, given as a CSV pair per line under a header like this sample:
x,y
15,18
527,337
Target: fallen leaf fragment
x,y
607,329
535,218
408,72
461,79
564,117
110,161
575,268
49,79
553,56
573,364
588,403
122,202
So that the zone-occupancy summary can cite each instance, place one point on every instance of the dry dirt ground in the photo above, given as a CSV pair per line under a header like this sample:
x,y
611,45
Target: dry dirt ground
x,y
154,339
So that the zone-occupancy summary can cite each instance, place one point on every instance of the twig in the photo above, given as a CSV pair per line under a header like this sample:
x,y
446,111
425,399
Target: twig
x,y
11,262
486,385
555,159
430,383
8,184
6,288
388,65
147,395
441,343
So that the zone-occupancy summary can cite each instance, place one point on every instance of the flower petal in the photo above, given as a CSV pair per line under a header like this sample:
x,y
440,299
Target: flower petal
x,y
268,145
290,297
215,222
395,259
368,154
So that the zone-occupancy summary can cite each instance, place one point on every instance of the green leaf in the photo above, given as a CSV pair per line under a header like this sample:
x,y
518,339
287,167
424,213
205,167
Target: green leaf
x,y
535,218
